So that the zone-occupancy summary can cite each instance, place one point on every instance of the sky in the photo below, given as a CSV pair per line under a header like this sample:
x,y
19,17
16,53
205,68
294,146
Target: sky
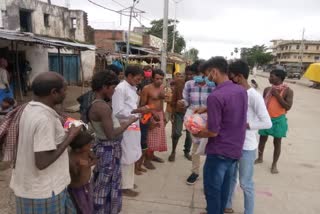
x,y
215,27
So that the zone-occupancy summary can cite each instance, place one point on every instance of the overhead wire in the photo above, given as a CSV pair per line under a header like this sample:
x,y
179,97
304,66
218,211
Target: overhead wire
x,y
112,10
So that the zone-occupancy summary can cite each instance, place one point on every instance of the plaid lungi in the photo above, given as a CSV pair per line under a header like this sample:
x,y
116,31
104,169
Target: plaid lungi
x,y
57,204
106,179
157,136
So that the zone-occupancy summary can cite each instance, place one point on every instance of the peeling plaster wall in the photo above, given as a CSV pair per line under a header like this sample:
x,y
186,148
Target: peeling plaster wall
x,y
60,27
37,55
60,24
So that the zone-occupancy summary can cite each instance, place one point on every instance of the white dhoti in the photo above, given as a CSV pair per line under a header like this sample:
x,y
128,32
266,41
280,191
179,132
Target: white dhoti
x,y
127,176
131,152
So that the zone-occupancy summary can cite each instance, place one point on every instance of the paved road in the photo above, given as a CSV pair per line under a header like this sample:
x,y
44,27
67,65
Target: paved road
x,y
296,190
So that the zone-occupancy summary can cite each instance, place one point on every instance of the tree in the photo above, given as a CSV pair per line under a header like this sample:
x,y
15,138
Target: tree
x,y
257,55
236,51
156,30
192,54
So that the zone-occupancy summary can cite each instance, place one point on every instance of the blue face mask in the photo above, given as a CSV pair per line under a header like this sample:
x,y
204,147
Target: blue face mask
x,y
198,79
209,83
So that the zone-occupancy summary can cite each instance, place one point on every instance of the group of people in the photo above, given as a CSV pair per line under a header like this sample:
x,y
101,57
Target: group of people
x,y
80,170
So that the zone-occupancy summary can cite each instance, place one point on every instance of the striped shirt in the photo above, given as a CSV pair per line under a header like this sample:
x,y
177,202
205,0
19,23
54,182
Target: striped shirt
x,y
195,95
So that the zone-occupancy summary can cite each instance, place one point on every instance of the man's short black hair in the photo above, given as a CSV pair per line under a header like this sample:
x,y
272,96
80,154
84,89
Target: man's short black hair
x,y
114,68
9,100
239,67
42,87
157,71
196,66
103,78
134,70
217,62
81,140
279,73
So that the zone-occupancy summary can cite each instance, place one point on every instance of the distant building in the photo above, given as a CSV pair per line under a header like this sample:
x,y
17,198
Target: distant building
x,y
50,37
291,51
141,30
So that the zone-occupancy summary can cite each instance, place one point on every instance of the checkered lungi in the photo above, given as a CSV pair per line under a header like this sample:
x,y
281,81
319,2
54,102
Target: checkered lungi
x,y
157,136
57,204
106,178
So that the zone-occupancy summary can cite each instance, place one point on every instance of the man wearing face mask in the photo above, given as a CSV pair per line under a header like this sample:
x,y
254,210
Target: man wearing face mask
x,y
227,124
195,94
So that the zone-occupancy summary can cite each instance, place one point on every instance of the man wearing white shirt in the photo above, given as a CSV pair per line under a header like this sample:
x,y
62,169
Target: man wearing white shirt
x,y
41,173
124,100
257,118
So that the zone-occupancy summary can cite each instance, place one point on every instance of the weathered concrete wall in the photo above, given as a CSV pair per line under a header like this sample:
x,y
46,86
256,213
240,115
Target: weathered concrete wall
x,y
60,24
37,55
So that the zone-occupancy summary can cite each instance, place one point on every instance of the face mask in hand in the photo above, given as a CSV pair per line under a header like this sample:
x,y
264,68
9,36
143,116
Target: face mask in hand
x,y
198,79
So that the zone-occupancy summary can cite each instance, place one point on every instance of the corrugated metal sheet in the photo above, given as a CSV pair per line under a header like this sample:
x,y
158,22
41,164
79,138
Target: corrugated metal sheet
x,y
30,38
69,44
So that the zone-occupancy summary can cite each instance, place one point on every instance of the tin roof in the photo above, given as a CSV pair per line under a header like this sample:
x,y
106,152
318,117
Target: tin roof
x,y
31,38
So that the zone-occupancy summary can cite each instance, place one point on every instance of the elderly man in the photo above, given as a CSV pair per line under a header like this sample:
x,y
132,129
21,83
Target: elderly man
x,y
41,174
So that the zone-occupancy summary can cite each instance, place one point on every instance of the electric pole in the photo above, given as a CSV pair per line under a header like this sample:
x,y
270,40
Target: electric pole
x,y
174,26
165,37
129,30
302,50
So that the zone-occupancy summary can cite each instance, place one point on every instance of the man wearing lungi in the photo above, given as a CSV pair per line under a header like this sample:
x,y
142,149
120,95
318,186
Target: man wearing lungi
x,y
153,95
41,172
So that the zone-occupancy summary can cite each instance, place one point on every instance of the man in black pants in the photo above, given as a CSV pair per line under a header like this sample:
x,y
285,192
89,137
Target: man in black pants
x,y
178,116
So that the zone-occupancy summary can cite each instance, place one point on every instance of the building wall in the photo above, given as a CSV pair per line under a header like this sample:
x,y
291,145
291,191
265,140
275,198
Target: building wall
x,y
106,39
60,24
37,55
289,51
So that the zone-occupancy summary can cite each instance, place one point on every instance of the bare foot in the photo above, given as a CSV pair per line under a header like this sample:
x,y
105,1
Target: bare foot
x,y
274,170
157,159
137,172
142,169
172,157
258,161
129,193
149,165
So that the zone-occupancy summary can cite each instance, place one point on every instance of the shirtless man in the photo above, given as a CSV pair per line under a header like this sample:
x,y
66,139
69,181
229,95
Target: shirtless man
x,y
153,95
279,100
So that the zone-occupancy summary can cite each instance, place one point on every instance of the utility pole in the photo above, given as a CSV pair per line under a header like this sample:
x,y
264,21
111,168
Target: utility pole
x,y
129,30
165,36
67,3
174,26
301,50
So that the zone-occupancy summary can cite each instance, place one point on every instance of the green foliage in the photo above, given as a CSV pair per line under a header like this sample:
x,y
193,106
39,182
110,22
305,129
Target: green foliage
x,y
257,55
192,54
156,30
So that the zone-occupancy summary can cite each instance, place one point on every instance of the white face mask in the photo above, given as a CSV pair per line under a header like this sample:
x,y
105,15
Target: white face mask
x,y
212,76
